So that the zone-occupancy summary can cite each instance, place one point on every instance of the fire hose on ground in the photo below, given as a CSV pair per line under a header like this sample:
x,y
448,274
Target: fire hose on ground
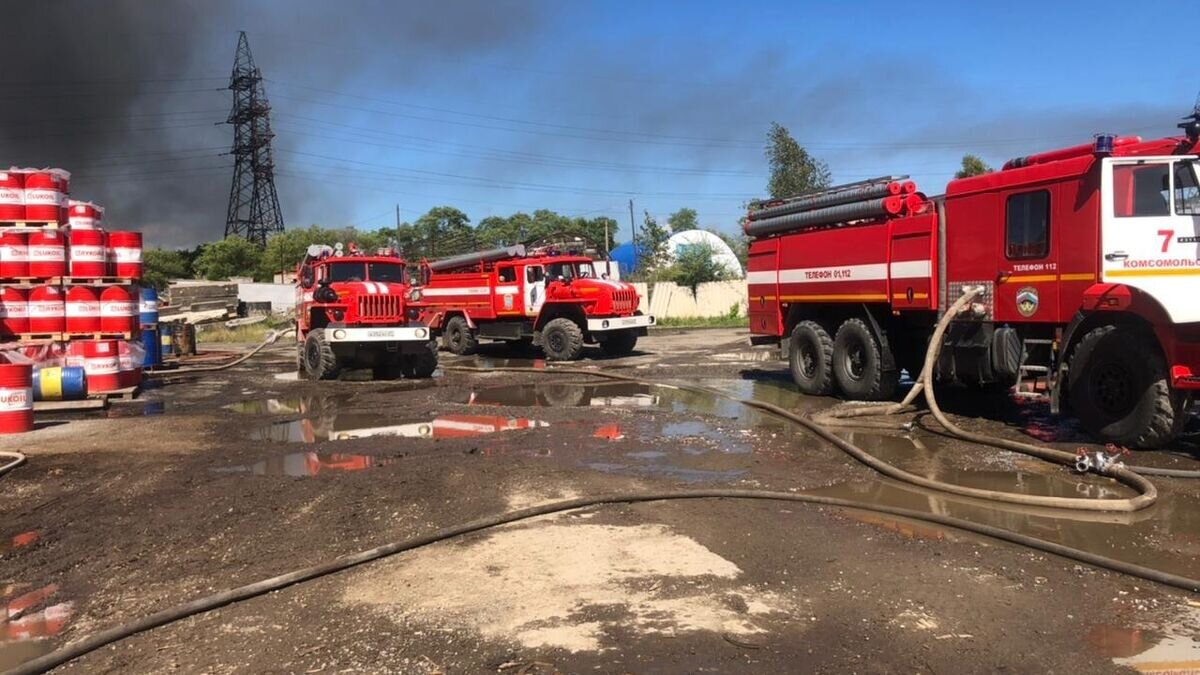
x,y
240,593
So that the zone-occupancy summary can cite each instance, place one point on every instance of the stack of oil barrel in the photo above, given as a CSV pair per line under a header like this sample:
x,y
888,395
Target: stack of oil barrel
x,y
870,200
68,288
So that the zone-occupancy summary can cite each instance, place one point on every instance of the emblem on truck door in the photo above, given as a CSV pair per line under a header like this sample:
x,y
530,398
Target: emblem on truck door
x,y
1027,301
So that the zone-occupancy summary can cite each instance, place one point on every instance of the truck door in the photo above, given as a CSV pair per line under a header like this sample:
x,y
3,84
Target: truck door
x,y
1027,281
1151,228
507,296
534,291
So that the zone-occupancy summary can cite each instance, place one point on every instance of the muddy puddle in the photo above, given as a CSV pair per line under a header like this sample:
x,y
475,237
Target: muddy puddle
x,y
308,464
1174,648
349,426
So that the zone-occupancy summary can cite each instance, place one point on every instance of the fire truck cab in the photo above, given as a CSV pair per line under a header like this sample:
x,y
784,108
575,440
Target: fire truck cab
x,y
553,300
354,311
1087,264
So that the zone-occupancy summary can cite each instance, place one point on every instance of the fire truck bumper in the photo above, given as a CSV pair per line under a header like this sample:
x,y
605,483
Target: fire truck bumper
x,y
393,334
620,323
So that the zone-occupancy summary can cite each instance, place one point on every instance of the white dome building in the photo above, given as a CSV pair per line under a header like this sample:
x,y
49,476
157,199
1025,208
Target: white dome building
x,y
721,251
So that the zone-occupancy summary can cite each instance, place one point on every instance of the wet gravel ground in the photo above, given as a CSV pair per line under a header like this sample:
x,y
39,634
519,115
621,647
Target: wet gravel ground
x,y
217,480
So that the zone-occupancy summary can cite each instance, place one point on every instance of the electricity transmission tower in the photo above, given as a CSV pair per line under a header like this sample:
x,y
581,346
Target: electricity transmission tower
x,y
253,205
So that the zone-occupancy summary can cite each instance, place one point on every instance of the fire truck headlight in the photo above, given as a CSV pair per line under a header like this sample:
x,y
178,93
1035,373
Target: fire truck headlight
x,y
413,313
339,334
420,332
338,315
414,295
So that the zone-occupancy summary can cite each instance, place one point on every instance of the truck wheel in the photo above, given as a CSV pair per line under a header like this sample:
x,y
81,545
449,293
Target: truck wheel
x,y
858,363
421,365
562,340
810,355
1119,390
459,339
320,363
619,343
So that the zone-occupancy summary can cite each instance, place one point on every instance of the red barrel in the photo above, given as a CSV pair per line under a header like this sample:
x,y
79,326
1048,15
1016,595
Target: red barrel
x,y
16,398
118,311
83,310
47,255
84,215
14,311
74,355
14,254
125,253
47,311
46,195
101,364
86,253
12,195
130,371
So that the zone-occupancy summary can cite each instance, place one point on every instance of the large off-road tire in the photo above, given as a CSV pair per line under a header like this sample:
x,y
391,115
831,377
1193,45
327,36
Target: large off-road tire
x,y
420,365
619,342
1118,388
562,340
858,363
458,338
810,356
320,363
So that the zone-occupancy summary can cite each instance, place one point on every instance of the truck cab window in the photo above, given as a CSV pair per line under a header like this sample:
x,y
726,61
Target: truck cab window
x,y
1027,226
389,272
1141,190
534,274
1187,189
346,271
506,274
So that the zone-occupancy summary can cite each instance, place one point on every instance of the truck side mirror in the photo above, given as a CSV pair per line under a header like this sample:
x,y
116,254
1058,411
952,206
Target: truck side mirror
x,y
306,278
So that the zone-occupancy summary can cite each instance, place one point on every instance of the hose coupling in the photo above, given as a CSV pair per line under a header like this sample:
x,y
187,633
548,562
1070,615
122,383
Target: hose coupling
x,y
1100,461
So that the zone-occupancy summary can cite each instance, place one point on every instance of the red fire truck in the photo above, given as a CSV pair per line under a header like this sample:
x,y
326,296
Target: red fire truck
x,y
1086,260
554,300
354,311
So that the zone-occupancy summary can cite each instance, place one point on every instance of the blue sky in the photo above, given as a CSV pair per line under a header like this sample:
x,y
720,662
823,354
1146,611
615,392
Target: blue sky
x,y
496,107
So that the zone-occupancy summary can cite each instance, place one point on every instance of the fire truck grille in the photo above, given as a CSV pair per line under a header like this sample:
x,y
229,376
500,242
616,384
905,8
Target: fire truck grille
x,y
380,307
624,301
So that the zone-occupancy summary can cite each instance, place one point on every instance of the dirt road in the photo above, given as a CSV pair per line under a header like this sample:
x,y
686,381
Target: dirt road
x,y
220,480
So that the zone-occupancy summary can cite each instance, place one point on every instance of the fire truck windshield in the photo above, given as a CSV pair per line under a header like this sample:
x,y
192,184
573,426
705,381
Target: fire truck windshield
x,y
570,270
359,271
392,272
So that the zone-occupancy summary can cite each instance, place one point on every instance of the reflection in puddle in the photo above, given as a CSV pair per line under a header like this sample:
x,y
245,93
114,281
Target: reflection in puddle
x,y
31,616
564,395
136,408
342,427
305,464
19,541
1174,649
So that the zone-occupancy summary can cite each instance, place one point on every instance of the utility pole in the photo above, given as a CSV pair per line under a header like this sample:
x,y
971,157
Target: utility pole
x,y
397,218
633,233
253,204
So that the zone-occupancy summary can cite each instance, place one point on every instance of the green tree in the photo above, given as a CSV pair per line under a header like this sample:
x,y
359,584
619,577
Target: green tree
x,y
160,266
682,220
793,170
695,264
443,231
230,257
285,249
602,231
497,231
652,243
972,165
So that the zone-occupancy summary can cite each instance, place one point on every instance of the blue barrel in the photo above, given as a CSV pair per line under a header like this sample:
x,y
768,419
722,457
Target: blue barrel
x,y
152,347
166,338
68,383
148,307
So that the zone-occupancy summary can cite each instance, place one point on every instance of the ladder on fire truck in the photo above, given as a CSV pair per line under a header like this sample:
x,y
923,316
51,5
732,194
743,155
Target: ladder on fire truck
x,y
1029,373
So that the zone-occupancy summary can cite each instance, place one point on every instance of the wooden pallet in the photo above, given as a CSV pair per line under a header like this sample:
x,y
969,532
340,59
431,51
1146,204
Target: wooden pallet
x,y
126,394
38,337
92,281
64,406
98,335
28,281
29,225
